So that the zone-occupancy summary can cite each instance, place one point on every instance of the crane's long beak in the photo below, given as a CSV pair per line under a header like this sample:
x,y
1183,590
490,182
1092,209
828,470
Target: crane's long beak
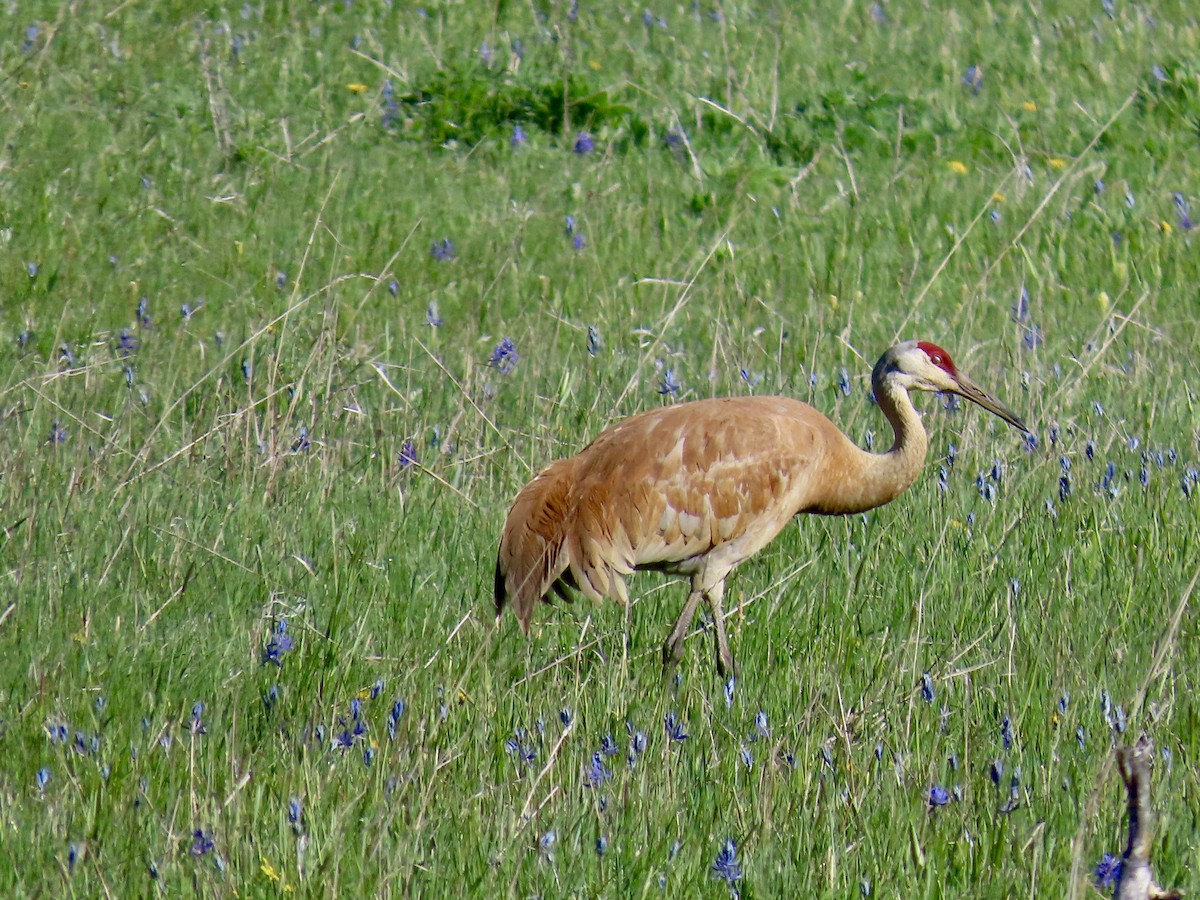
x,y
973,392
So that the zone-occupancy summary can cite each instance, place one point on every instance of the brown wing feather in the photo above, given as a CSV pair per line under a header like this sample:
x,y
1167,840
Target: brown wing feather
x,y
662,490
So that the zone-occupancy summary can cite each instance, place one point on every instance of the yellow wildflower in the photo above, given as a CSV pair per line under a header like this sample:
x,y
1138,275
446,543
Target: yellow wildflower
x,y
273,874
358,88
1165,227
998,197
1029,106
956,166
1057,163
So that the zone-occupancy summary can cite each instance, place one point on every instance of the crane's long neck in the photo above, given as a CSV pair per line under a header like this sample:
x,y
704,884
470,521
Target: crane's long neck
x,y
873,479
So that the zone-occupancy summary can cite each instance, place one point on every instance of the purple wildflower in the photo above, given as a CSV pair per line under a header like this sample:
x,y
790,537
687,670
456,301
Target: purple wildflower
x,y
505,357
279,643
595,774
408,455
198,726
432,318
583,144
202,843
726,867
938,796
927,692
1108,871
668,386
443,250
675,729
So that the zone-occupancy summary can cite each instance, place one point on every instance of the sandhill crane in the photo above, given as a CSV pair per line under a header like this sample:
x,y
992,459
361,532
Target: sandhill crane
x,y
696,488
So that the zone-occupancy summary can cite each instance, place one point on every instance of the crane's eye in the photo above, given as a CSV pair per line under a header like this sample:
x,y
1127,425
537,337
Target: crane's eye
x,y
936,360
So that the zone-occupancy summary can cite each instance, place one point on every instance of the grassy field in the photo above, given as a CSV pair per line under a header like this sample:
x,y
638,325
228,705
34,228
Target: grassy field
x,y
298,295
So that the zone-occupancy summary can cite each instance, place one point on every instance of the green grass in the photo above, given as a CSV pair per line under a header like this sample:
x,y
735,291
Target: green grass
x,y
285,169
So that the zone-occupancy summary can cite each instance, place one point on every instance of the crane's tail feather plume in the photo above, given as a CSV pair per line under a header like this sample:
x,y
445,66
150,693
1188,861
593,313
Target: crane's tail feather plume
x,y
555,539
531,558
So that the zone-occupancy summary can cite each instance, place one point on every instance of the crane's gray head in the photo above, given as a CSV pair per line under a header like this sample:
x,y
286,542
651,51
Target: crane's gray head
x,y
922,366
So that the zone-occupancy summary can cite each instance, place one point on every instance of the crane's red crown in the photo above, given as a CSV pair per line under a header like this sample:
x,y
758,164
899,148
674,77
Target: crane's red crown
x,y
938,357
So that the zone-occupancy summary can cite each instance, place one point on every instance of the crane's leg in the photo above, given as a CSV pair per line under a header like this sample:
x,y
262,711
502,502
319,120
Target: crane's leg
x,y
715,595
673,648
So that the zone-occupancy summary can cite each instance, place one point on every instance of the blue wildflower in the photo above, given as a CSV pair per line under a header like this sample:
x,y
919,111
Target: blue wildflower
x,y
579,241
518,138
747,756
973,78
1020,309
583,144
601,845
295,811
730,684
595,774
827,757
565,715
443,250
844,381
674,728
127,343
1183,210
279,643
43,778
927,692
726,867
505,357
58,434
394,718
608,746
668,386
1108,871
637,742
516,747
408,455
432,318
938,796
761,725
302,442
198,726
1006,732
593,340
202,843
